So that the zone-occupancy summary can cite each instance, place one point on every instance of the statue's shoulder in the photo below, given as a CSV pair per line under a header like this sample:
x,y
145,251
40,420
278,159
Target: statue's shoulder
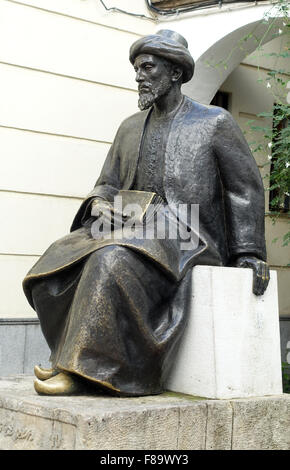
x,y
206,111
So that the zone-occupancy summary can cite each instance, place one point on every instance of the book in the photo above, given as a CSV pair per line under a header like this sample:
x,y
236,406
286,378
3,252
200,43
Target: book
x,y
137,207
146,204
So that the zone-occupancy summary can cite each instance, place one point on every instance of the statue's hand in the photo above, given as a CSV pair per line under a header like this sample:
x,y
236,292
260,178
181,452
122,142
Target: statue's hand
x,y
100,206
261,273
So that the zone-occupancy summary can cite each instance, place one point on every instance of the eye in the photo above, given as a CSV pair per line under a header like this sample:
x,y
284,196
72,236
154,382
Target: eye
x,y
148,67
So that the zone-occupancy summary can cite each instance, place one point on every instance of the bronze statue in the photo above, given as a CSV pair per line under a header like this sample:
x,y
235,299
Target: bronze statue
x,y
113,310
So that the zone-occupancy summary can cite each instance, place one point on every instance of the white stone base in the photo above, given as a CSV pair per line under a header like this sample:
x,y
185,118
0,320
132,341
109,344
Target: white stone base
x,y
231,346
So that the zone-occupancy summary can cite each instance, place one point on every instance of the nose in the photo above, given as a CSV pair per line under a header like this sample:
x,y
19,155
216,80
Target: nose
x,y
139,76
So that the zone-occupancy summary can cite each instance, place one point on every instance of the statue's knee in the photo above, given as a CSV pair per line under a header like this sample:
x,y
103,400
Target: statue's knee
x,y
40,288
108,256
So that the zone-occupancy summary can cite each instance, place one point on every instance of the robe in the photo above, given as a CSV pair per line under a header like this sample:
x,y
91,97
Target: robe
x,y
113,311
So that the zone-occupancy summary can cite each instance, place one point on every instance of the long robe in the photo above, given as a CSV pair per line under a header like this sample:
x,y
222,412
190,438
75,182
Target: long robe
x,y
113,311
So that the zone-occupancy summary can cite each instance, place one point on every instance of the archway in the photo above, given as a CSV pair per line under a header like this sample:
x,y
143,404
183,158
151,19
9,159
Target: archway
x,y
217,63
218,36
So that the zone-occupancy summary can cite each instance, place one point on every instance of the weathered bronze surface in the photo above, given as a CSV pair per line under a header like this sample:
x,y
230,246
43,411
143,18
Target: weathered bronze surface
x,y
44,374
113,310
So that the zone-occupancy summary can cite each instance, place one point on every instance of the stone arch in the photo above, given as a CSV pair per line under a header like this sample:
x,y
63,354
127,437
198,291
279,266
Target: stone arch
x,y
230,49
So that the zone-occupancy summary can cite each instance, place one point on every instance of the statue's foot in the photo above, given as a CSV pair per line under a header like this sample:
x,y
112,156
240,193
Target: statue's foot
x,y
44,374
60,384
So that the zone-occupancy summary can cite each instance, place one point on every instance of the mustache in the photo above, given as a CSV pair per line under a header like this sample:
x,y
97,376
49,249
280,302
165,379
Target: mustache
x,y
145,87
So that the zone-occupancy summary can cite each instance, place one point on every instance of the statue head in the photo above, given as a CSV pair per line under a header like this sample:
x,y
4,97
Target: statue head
x,y
161,61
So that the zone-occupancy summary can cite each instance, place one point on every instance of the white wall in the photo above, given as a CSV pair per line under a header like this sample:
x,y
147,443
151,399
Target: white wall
x,y
65,86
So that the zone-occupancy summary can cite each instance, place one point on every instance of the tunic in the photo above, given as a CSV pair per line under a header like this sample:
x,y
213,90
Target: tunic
x,y
150,171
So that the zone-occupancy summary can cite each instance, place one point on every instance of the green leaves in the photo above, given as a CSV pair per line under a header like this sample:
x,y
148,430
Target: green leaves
x,y
286,239
286,377
277,141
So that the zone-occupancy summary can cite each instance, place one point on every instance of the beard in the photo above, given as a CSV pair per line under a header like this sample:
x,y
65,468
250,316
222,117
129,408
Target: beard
x,y
152,93
146,100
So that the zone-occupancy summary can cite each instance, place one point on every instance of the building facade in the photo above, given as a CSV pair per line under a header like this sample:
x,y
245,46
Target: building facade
x,y
66,85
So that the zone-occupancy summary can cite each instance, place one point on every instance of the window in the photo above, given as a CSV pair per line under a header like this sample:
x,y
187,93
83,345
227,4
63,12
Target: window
x,y
222,99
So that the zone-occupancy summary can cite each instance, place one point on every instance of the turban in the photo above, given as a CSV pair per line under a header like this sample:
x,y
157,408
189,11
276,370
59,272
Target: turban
x,y
168,45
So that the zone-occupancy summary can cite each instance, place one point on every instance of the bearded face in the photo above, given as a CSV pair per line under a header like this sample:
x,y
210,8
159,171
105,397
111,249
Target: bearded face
x,y
154,79
150,92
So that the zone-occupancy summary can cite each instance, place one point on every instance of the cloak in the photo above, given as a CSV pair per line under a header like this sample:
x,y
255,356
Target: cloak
x,y
207,162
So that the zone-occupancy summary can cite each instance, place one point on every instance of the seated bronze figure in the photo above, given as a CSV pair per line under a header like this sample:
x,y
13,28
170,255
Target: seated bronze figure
x,y
113,310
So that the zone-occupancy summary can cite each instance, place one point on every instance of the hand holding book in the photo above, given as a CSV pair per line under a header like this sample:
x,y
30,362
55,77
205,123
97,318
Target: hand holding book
x,y
101,207
132,205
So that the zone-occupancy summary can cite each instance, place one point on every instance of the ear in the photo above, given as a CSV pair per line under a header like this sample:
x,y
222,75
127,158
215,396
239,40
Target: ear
x,y
176,73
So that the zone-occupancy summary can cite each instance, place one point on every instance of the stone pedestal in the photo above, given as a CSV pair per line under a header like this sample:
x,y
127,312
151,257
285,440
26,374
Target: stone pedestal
x,y
169,421
231,346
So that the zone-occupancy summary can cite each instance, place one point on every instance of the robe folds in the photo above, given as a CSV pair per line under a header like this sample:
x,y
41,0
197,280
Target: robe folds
x,y
113,311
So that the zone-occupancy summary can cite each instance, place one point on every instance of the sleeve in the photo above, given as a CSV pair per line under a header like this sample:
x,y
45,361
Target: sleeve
x,y
106,187
243,190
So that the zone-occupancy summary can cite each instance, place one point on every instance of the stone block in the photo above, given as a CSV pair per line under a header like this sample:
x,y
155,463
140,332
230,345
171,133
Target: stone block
x,y
231,345
192,426
260,424
219,425
126,429
169,421
20,431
